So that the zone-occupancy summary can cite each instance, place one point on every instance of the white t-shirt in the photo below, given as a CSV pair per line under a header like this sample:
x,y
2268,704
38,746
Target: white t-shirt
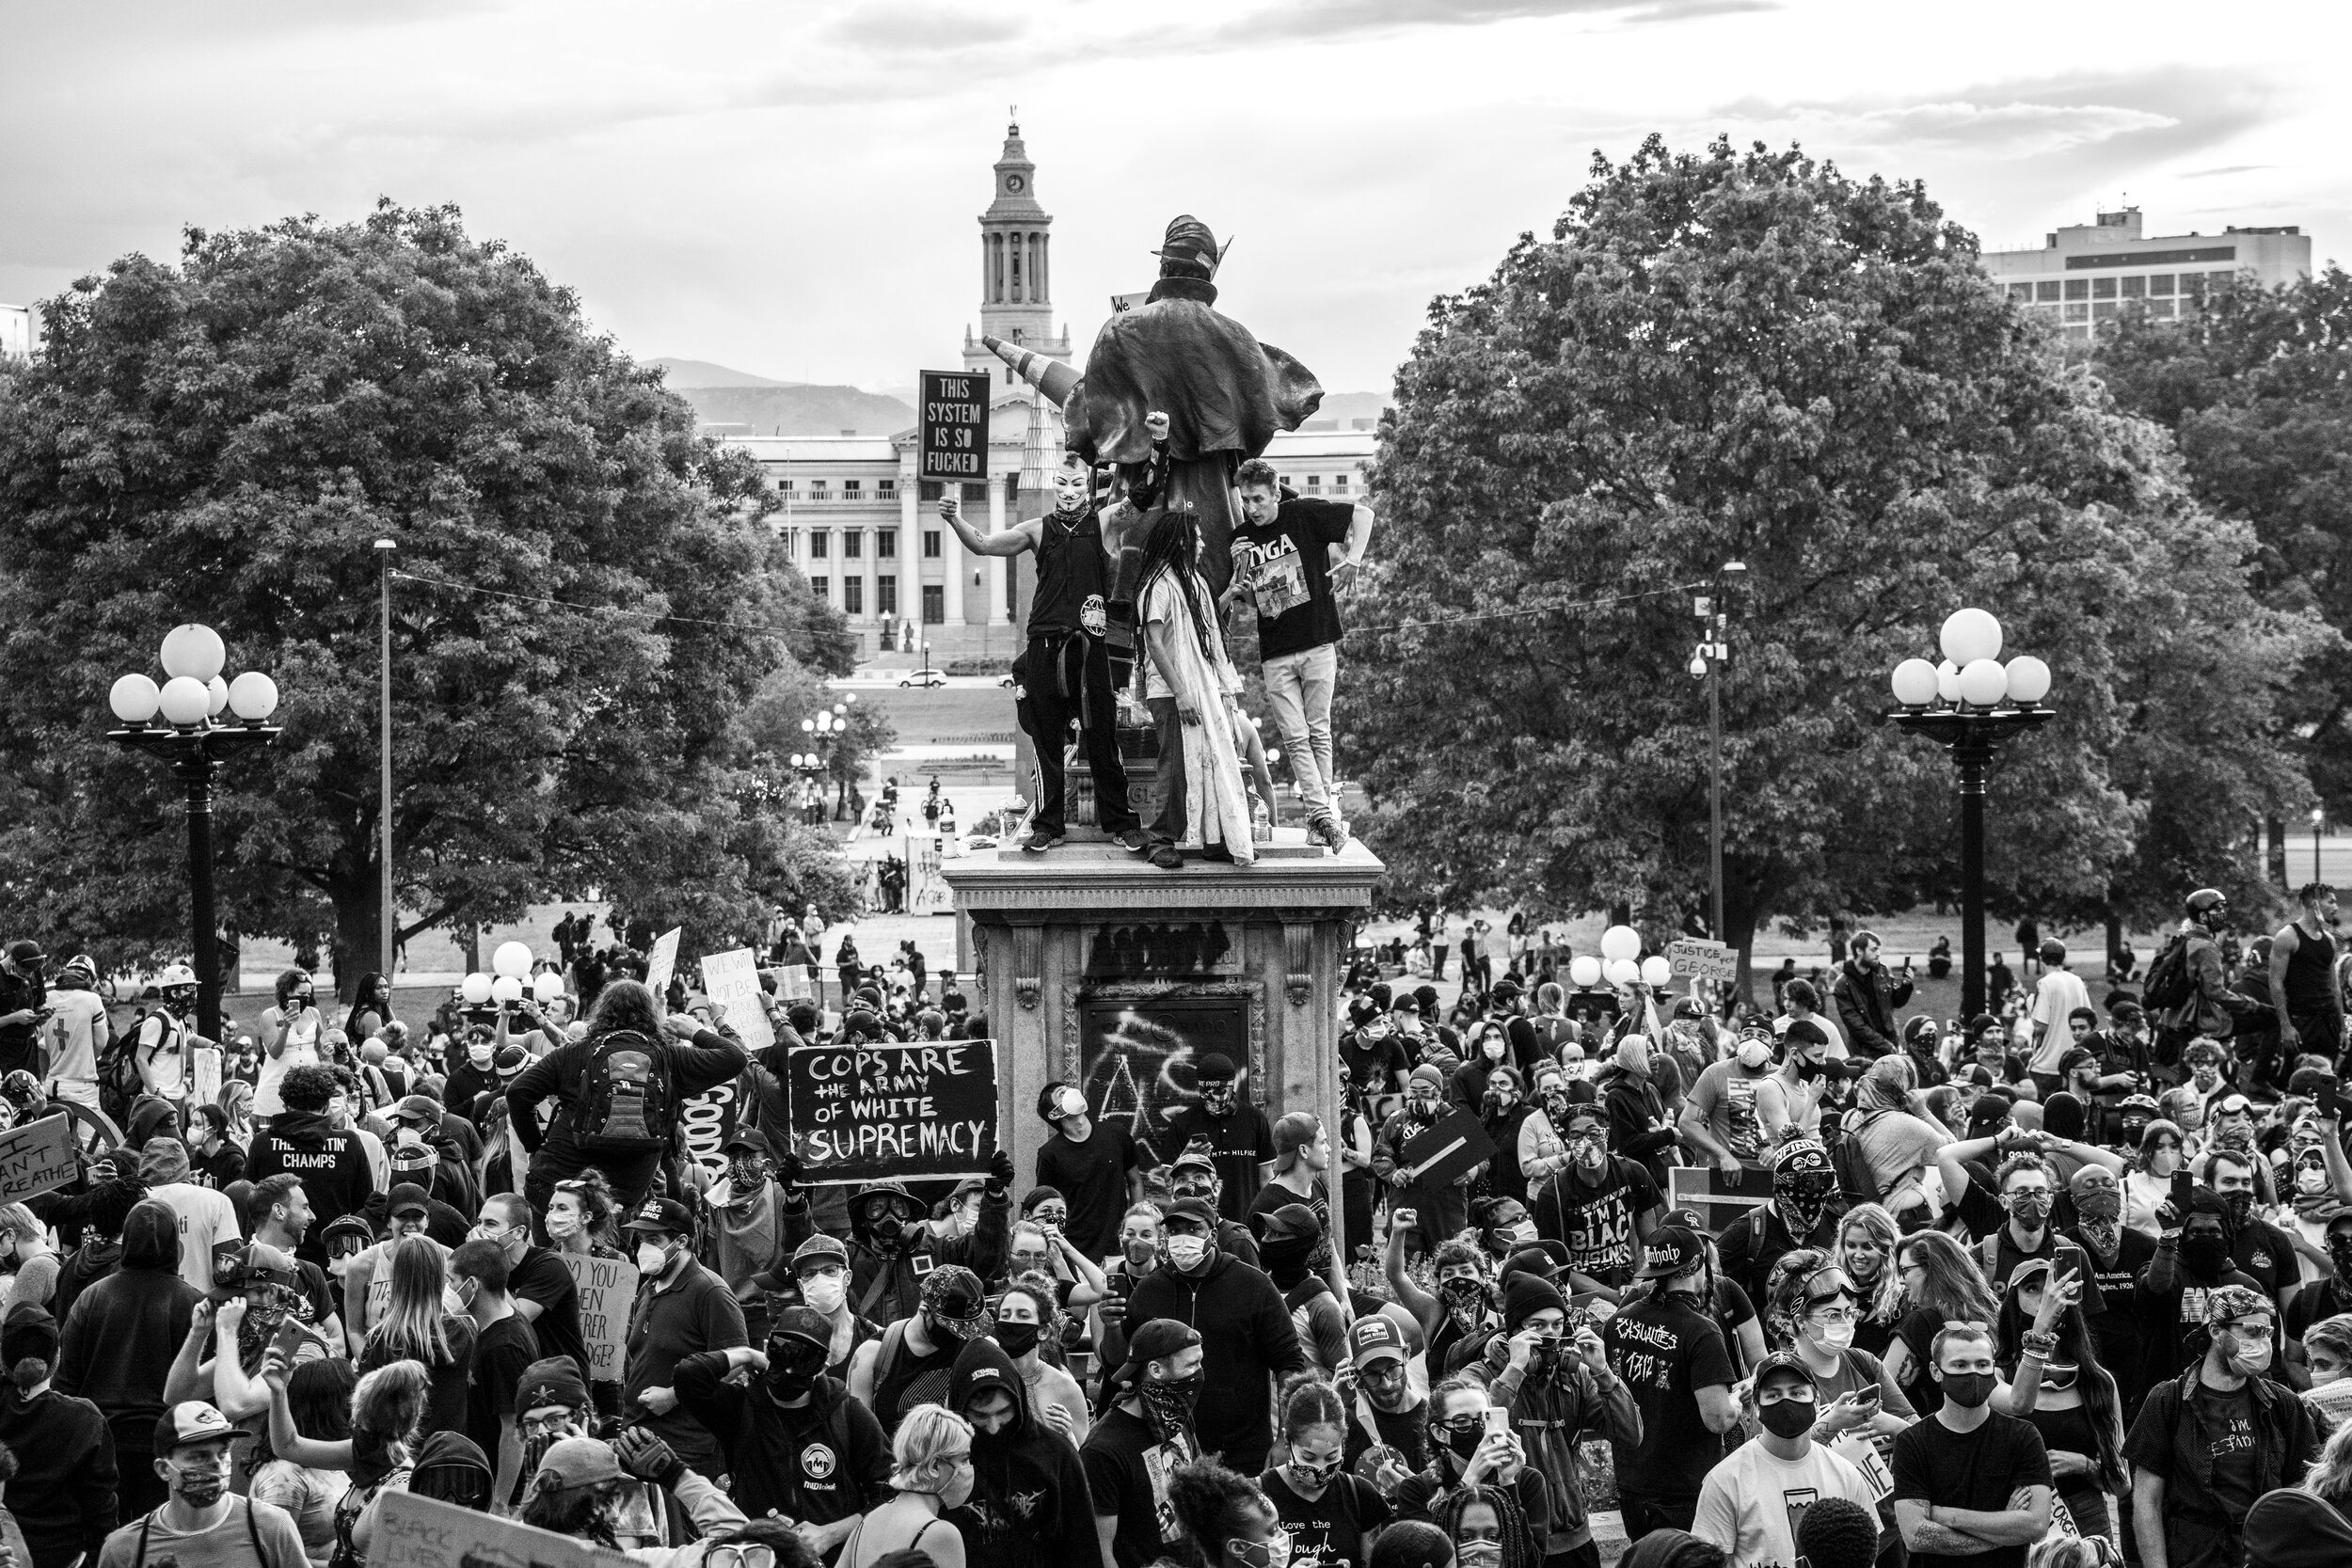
x,y
206,1218
71,1033
302,1050
162,1056
2060,993
1751,1502
374,1266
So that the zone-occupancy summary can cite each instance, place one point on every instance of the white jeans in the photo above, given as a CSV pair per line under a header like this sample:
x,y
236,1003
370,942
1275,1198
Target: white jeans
x,y
81,1092
1298,690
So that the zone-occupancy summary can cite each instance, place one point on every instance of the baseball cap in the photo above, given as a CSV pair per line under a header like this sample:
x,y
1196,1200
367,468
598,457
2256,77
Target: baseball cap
x,y
1293,1221
575,1462
956,1300
1672,1250
553,1384
662,1214
192,1421
1196,1156
25,952
2228,1303
407,1198
1191,1209
748,1137
1374,1337
268,1265
1159,1339
805,1323
419,1107
1782,1361
510,1058
1686,1217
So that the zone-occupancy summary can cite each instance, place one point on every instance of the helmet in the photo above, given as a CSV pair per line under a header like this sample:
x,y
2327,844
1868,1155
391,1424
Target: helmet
x,y
2207,906
23,1090
176,977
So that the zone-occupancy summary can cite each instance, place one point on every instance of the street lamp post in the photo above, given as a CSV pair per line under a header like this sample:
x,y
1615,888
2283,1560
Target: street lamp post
x,y
2319,818
1714,651
195,739
1968,705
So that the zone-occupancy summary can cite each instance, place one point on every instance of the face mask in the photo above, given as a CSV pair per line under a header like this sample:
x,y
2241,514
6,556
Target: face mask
x,y
1421,1110
1168,1401
1479,1554
1313,1476
652,1257
2339,1253
1591,1156
2239,1205
1807,1069
1184,1253
560,1225
2205,1253
2099,1205
1273,1552
1788,1419
1520,1234
1375,1032
2165,1162
201,1489
1465,1297
2248,1356
1801,1210
1968,1389
824,1293
1018,1340
1836,1336
2310,1180
792,1369
1492,1051
1140,1254
2030,1209
1464,1444
1753,1055
1216,1103
2207,1080
887,1228
478,1054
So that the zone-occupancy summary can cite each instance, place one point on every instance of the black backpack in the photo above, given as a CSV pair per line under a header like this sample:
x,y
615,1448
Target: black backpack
x,y
1853,1170
2170,982
627,1104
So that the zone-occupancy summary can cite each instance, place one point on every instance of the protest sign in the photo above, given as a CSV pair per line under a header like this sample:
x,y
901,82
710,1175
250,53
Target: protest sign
x,y
1858,1450
1443,1151
732,980
416,1531
708,1121
37,1157
204,1068
607,1287
1121,304
867,1111
662,964
1719,1198
952,439
1693,960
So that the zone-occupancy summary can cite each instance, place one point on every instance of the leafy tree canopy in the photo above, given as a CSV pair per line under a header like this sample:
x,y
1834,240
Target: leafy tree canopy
x,y
586,599
1751,356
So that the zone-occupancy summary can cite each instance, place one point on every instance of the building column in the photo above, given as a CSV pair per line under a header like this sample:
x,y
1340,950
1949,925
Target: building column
x,y
868,568
995,562
910,562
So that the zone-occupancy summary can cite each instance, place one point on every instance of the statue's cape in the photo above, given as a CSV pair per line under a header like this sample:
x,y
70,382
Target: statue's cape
x,y
1222,390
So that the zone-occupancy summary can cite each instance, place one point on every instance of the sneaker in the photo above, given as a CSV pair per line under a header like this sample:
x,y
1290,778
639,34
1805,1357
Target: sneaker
x,y
1037,841
1167,859
1132,841
1330,832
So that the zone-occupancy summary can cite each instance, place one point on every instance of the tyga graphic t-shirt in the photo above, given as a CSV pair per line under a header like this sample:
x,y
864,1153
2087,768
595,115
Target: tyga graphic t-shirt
x,y
1293,578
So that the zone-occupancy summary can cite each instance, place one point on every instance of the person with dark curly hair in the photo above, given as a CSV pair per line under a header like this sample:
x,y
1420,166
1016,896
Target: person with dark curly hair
x,y
333,1166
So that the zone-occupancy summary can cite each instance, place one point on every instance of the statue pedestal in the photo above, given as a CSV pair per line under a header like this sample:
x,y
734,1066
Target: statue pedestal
x,y
1097,969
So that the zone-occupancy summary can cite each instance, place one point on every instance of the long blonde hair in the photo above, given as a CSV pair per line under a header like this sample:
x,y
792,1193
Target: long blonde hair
x,y
1885,1302
414,1326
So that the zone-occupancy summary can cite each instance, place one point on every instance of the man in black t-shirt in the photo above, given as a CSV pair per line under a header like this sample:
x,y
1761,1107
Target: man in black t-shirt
x,y
1972,1486
1670,1352
1141,1439
504,1349
544,1292
1282,564
1092,1164
1239,1137
1604,1206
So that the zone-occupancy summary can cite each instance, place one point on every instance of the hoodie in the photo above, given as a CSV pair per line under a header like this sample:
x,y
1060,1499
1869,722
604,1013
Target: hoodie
x,y
124,1332
823,1461
1251,1345
450,1462
63,1493
2294,1530
1029,1506
336,1175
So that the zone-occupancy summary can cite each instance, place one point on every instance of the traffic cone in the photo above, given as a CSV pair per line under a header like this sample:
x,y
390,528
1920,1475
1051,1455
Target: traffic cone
x,y
1049,376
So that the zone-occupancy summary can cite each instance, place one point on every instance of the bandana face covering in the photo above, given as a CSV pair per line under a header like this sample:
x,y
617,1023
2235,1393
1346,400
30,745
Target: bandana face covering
x,y
1168,1402
2099,1205
1465,1298
1802,1203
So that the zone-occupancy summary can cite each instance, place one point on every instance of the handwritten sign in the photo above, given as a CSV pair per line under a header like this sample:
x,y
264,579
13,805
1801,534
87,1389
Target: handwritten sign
x,y
37,1157
708,1122
953,441
662,965
1445,1151
862,1112
1693,960
1857,1450
607,1287
414,1532
1719,1198
1121,304
732,980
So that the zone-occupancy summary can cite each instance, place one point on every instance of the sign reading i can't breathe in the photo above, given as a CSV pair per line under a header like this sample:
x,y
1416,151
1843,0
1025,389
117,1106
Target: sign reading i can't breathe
x,y
876,1111
37,1157
954,425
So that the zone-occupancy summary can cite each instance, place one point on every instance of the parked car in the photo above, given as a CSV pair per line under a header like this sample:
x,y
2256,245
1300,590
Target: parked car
x,y
926,678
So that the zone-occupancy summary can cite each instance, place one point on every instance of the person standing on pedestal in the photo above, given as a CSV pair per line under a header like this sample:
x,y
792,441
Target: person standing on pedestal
x,y
1065,674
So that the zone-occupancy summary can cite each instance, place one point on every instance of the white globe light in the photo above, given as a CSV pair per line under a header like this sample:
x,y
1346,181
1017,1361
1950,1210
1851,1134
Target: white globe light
x,y
506,988
219,690
808,726
1970,634
1621,942
475,988
2028,679
1656,971
1983,683
1273,755
253,697
512,959
1947,681
1698,667
185,701
1585,972
548,986
195,651
1915,683
1623,972
135,699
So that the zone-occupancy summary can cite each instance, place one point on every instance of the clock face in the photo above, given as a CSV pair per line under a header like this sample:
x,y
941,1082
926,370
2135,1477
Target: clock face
x,y
1013,182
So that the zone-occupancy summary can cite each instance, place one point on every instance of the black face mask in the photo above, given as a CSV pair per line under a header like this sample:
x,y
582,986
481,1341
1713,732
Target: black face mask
x,y
1786,1419
1018,1340
793,1367
1968,1389
2205,1253
1285,1260
2239,1205
1463,1444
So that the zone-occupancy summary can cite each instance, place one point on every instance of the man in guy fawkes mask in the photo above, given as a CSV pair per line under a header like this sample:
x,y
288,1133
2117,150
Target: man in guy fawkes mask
x,y
891,1251
797,1445
1803,1182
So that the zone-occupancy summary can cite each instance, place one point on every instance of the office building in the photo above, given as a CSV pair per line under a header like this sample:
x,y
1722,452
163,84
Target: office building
x,y
2091,273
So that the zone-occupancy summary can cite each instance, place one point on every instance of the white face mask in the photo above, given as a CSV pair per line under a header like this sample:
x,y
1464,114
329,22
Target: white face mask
x,y
1837,1335
1186,1252
2165,1162
2310,1182
1522,1233
478,1054
1753,1055
652,1257
825,1293
561,1224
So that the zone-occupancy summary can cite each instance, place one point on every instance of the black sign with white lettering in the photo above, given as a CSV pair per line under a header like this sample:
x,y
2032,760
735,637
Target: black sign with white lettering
x,y
954,425
876,1111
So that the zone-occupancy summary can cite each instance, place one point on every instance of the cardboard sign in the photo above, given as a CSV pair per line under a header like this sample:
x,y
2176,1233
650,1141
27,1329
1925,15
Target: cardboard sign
x,y
1121,304
708,1122
953,426
661,967
37,1157
1439,1153
1693,960
413,1532
732,980
607,1287
1857,1450
204,1067
874,1111
1719,1198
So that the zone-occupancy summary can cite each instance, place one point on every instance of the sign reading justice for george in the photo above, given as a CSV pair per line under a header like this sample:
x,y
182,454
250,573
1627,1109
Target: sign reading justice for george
x,y
876,1111
953,431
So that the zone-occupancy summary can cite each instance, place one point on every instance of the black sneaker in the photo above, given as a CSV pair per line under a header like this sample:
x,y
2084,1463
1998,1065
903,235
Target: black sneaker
x,y
1037,841
1167,859
1132,841
1330,832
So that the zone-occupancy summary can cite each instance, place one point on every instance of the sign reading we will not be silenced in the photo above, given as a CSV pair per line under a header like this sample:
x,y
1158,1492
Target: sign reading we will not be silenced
x,y
952,434
37,1157
877,1111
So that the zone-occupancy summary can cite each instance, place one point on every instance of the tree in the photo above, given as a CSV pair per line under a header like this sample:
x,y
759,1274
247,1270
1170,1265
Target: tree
x,y
1751,356
586,598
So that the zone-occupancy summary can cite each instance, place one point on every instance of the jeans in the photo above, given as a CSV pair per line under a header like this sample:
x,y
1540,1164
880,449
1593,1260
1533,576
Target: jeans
x,y
1298,690
1085,666
1167,827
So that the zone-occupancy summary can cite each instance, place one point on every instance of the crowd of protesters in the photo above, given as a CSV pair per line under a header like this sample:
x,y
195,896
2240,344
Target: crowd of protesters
x,y
1830,1286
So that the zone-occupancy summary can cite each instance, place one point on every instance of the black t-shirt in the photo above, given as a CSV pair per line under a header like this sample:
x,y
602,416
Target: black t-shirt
x,y
1239,1142
2313,1301
1333,1531
1981,1469
1295,610
502,1354
2261,1249
1374,1067
320,1299
2114,1332
1407,1431
542,1280
1597,1222
1092,1177
1666,1350
1127,1469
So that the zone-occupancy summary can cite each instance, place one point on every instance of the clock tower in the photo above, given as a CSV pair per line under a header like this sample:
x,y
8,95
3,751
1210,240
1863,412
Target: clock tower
x,y
1016,273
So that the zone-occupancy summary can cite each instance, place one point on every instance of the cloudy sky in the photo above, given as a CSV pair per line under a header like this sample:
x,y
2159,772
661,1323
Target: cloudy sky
x,y
789,188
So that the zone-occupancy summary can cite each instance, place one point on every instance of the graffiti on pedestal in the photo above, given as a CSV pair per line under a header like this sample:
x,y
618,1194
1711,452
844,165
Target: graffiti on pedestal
x,y
1136,1049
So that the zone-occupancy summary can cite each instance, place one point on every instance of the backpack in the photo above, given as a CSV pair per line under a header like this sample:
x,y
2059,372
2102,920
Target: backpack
x,y
1853,1171
627,1102
2170,982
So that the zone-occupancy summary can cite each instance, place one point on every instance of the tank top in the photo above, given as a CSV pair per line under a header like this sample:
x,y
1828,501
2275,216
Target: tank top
x,y
1069,571
2310,980
2070,1430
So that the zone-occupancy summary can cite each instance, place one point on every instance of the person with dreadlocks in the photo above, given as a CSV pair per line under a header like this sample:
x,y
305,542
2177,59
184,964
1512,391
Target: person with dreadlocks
x,y
1489,1531
1189,684
1803,1182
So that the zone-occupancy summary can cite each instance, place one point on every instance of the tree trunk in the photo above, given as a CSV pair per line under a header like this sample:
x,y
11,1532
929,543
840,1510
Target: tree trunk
x,y
2276,830
357,936
2115,937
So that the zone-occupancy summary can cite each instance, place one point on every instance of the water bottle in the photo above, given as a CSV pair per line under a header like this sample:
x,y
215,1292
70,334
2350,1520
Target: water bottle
x,y
1261,824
